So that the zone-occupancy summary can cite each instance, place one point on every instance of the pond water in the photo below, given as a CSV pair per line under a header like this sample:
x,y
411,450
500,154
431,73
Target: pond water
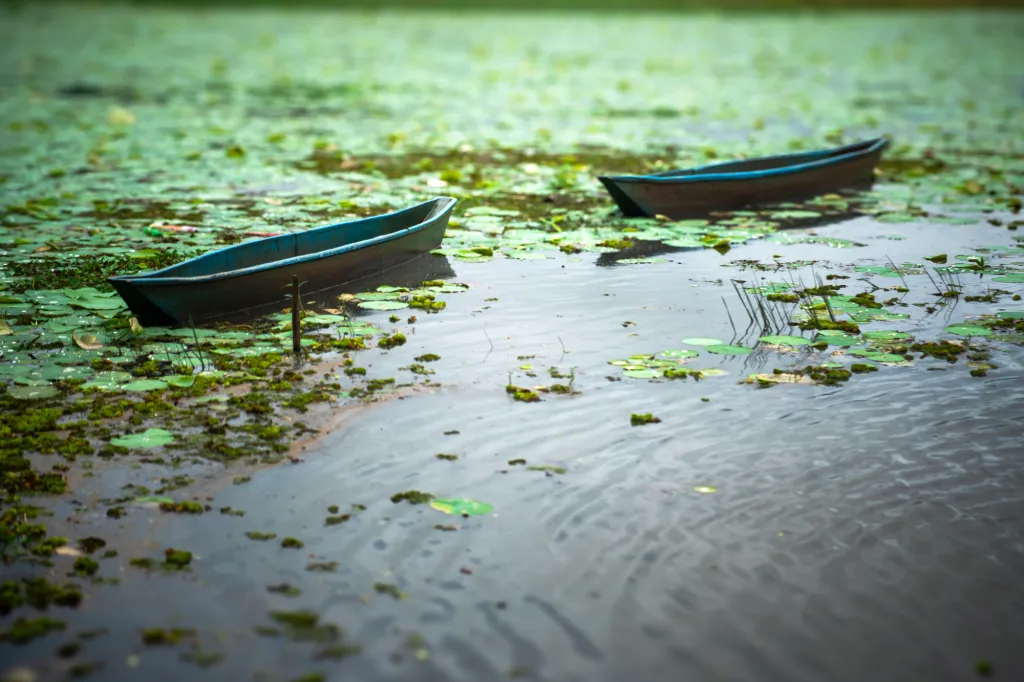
x,y
862,520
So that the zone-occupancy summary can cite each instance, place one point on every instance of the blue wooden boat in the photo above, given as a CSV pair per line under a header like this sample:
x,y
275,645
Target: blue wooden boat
x,y
694,192
259,272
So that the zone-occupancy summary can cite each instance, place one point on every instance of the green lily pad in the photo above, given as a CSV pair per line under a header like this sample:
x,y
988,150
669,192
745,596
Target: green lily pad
x,y
782,215
887,335
179,380
152,500
31,392
30,381
840,340
525,255
377,295
250,351
677,354
968,330
725,349
383,305
785,340
700,341
143,385
16,370
462,506
150,438
58,373
1011,314
878,356
1013,278
642,373
108,381
99,303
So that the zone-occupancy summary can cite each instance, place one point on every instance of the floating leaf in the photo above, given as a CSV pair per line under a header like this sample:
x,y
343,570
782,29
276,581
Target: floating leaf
x,y
87,341
30,381
179,380
642,373
383,305
878,355
678,354
150,500
1013,278
4,329
143,385
462,506
150,438
699,341
968,330
728,350
58,373
783,215
31,392
887,335
784,340
108,380
526,255
840,340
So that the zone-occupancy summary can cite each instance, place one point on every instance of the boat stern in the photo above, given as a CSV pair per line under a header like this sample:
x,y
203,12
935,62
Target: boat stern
x,y
145,310
626,204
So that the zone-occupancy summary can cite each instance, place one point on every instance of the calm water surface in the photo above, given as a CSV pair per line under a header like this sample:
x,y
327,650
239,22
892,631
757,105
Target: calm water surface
x,y
869,531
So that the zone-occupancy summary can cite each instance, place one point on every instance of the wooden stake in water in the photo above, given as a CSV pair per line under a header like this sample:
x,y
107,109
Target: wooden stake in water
x,y
296,324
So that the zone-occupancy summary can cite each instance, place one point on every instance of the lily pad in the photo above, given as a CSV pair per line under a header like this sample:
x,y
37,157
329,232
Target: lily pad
x,y
701,341
87,341
108,380
642,373
383,305
725,349
143,385
785,340
179,380
31,392
887,335
377,295
968,330
878,356
58,373
462,506
840,340
152,500
784,215
1012,278
677,354
150,438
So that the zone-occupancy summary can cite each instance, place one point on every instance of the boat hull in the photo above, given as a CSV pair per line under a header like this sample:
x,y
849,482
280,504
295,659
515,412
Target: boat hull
x,y
165,301
695,193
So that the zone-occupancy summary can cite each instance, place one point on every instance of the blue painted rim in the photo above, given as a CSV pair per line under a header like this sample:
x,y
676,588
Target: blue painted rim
x,y
857,149
154,278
